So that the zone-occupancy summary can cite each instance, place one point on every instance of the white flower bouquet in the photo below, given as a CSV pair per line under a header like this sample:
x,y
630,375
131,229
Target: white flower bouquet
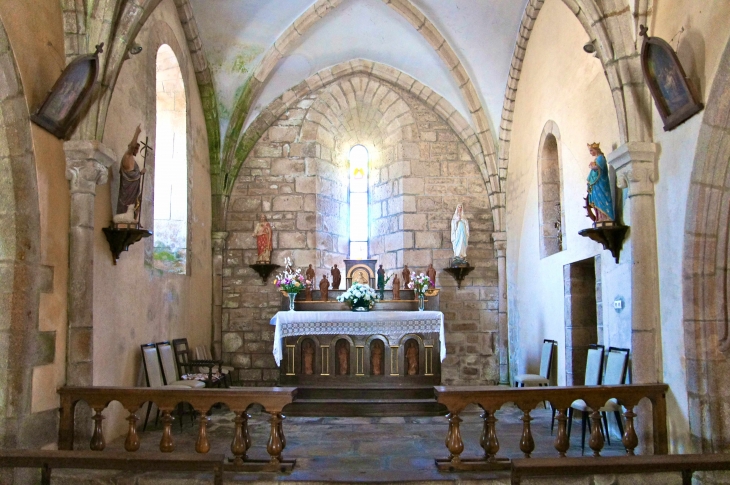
x,y
359,296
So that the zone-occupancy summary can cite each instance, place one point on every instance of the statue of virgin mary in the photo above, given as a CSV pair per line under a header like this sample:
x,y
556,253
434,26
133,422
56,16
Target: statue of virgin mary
x,y
459,235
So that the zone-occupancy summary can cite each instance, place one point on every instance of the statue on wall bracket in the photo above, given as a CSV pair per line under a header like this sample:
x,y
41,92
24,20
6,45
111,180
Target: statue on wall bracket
x,y
459,267
675,96
599,205
125,229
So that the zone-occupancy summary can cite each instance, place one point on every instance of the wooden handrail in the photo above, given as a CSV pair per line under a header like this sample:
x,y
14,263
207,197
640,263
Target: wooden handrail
x,y
491,399
272,399
47,460
563,467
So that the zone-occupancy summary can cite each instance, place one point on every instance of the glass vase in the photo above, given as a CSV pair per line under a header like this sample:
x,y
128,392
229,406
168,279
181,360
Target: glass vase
x,y
421,302
360,306
292,297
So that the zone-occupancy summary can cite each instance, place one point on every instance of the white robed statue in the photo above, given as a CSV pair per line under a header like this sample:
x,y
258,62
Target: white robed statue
x,y
459,236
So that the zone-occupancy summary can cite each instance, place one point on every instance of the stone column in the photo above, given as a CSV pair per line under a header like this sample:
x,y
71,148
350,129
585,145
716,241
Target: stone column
x,y
635,168
218,242
87,165
500,247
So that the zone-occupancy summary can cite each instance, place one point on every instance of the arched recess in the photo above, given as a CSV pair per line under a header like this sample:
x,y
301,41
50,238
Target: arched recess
x,y
236,145
615,43
22,277
706,273
171,165
551,213
332,74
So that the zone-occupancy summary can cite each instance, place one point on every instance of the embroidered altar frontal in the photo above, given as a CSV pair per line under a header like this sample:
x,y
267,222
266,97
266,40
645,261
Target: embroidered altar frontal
x,y
394,325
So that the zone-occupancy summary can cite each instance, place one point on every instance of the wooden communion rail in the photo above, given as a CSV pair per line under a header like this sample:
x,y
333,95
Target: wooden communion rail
x,y
273,399
491,399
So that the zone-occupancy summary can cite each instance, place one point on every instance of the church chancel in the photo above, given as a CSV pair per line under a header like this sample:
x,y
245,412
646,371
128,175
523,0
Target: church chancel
x,y
324,343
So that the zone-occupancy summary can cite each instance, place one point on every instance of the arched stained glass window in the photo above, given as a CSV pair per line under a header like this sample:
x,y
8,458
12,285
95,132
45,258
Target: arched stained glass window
x,y
359,220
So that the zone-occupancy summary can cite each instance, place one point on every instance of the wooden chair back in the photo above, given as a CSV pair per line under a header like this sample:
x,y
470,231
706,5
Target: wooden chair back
x,y
152,369
594,365
617,363
546,357
182,355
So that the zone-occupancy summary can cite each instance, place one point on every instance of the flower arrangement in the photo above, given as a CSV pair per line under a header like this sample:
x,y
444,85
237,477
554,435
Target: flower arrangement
x,y
359,295
290,281
419,283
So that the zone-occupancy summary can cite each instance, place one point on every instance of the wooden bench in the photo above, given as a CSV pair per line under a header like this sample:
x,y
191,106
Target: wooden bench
x,y
47,460
643,464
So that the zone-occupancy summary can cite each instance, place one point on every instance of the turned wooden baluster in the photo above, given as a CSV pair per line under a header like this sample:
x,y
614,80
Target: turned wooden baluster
x,y
562,443
202,445
281,432
276,438
453,439
629,439
527,444
596,441
132,441
166,444
241,440
485,432
97,438
492,443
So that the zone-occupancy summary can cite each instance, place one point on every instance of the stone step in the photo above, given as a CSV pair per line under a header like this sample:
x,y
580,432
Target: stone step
x,y
366,401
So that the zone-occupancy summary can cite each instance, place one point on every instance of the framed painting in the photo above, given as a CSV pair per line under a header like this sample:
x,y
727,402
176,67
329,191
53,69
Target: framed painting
x,y
70,97
674,95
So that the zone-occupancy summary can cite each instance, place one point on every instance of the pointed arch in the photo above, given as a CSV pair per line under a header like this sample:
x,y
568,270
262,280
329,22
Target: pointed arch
x,y
236,146
612,30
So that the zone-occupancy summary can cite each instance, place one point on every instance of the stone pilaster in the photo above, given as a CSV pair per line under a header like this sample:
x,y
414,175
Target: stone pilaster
x,y
87,165
500,248
218,243
635,168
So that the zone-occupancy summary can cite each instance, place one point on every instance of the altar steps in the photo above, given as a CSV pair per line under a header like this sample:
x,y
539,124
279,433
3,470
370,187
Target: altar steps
x,y
365,402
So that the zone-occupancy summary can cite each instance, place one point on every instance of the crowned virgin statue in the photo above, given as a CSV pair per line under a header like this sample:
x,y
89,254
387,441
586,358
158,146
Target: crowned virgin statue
x,y
459,236
599,202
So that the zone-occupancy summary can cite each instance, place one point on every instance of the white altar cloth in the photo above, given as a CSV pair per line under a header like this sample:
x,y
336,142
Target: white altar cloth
x,y
394,324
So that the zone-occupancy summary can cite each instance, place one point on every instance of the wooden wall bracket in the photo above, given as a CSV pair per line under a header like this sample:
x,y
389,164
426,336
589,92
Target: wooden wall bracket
x,y
120,239
264,270
611,237
459,273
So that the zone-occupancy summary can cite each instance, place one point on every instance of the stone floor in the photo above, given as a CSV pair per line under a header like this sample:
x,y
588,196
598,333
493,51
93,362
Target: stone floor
x,y
347,450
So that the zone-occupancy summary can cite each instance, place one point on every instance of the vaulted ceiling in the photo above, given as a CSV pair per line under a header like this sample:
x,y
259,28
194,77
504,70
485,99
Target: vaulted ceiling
x,y
237,34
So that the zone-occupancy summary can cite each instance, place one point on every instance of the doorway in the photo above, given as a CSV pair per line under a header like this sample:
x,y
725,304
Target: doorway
x,y
582,315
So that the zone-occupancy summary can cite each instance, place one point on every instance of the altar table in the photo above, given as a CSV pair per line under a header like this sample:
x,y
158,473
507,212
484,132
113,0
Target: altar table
x,y
391,324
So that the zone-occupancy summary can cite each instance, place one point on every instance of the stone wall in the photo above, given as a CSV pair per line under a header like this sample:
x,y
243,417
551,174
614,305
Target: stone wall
x,y
419,170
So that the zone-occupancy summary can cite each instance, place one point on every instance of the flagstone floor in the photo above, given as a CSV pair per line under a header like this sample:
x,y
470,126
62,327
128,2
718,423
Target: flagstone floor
x,y
347,450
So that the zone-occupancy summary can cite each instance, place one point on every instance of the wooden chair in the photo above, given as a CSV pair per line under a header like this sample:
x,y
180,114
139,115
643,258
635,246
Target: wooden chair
x,y
204,369
617,361
201,352
593,376
169,367
154,376
546,363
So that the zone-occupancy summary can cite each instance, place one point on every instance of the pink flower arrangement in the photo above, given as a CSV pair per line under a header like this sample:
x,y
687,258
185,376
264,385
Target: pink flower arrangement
x,y
290,281
420,283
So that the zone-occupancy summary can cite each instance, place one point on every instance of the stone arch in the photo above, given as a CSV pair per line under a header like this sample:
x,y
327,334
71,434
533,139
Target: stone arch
x,y
706,281
235,147
22,277
326,76
551,213
615,43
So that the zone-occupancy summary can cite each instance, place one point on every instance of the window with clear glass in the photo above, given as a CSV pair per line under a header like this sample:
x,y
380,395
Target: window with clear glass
x,y
359,220
171,166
